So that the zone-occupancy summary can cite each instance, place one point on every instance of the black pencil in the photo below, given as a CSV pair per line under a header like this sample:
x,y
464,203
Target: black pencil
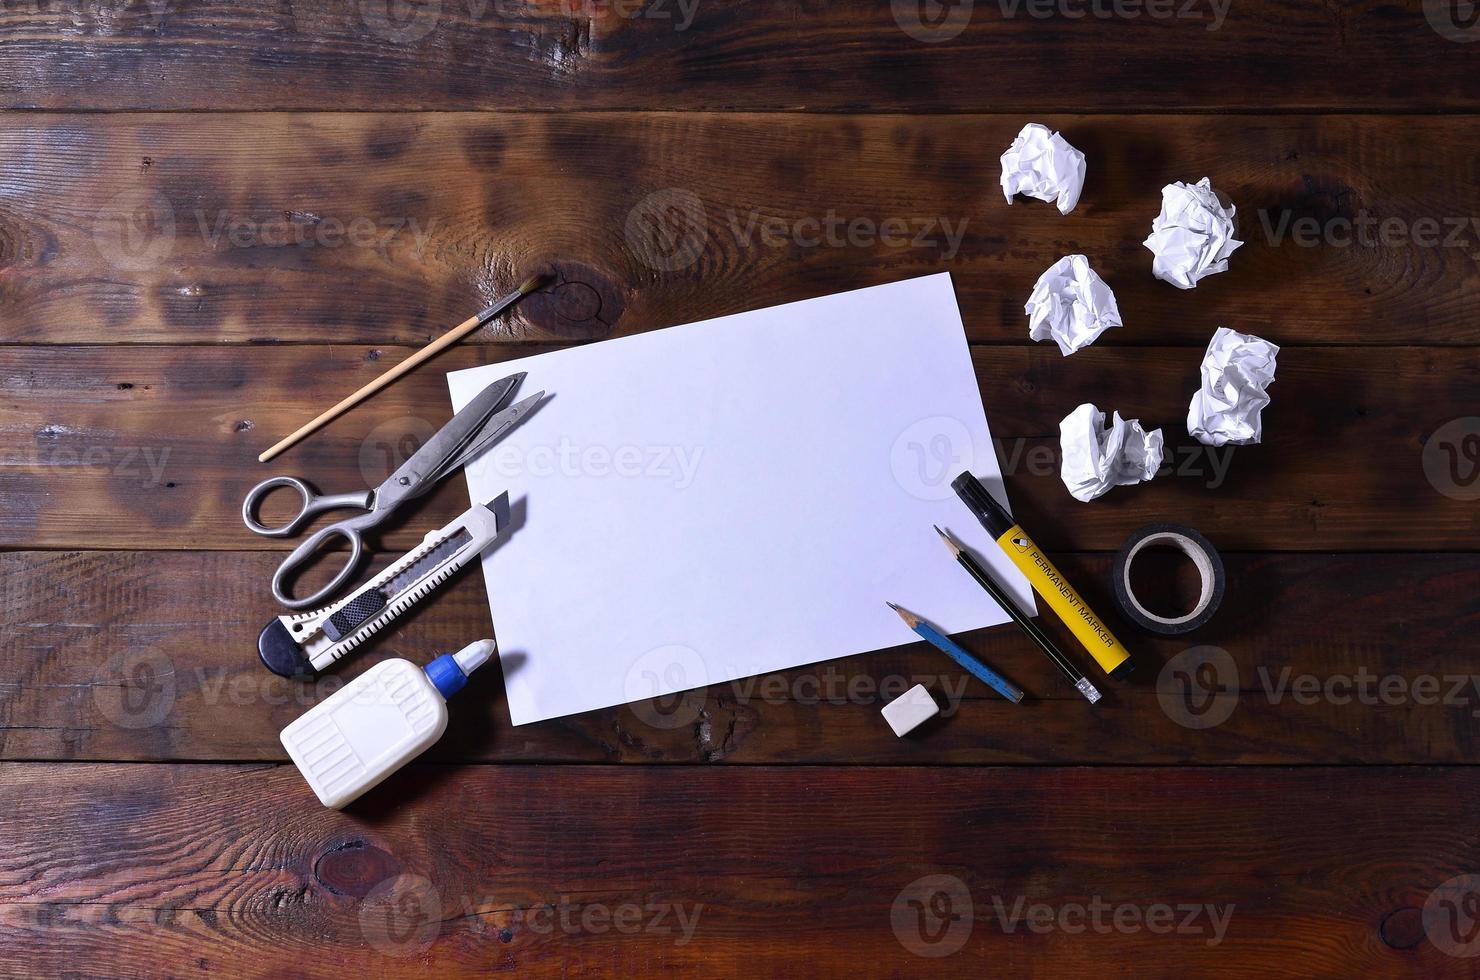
x,y
997,592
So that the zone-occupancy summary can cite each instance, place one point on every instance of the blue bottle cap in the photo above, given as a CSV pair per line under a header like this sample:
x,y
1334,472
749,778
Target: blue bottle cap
x,y
446,675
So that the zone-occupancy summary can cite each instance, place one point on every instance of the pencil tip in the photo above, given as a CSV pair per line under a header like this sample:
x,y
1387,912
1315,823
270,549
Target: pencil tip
x,y
911,620
950,542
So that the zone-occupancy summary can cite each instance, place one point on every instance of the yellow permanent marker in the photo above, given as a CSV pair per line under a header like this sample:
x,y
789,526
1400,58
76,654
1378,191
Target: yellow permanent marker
x,y
1046,580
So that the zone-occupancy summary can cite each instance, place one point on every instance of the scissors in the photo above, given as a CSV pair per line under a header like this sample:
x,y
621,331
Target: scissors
x,y
474,429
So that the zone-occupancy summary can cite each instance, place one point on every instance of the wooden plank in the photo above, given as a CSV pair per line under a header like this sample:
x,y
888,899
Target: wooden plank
x,y
459,871
154,447
1327,659
390,228
721,54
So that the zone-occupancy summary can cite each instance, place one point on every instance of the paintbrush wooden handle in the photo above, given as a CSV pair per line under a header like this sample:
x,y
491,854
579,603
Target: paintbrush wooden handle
x,y
429,351
420,357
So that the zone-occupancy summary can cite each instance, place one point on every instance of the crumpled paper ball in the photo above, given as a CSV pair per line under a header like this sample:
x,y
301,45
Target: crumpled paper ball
x,y
1096,458
1071,304
1193,235
1041,164
1227,406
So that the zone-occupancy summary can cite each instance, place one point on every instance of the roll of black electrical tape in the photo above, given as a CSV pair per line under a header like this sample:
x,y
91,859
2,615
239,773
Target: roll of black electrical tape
x,y
1203,555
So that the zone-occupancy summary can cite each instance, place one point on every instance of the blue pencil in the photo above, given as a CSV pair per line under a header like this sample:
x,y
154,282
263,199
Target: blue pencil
x,y
950,648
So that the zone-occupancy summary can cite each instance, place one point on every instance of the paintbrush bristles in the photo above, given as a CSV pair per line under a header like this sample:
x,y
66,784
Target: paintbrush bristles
x,y
910,619
532,283
950,543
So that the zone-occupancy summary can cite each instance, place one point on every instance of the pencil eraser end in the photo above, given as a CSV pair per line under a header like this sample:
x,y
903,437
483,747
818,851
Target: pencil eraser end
x,y
910,710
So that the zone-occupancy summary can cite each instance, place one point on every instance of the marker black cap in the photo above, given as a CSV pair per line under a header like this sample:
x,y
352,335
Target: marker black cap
x,y
1045,579
982,504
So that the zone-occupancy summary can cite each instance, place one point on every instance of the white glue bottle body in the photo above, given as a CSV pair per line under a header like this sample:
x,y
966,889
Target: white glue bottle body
x,y
377,723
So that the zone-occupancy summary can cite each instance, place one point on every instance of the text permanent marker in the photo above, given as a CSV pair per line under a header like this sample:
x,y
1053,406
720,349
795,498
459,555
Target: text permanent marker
x,y
998,593
1046,580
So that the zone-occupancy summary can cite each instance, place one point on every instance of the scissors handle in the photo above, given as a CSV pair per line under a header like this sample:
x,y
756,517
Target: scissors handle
x,y
350,530
312,503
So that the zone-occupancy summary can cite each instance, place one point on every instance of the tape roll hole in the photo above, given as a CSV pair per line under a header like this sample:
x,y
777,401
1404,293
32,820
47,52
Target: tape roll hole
x,y
1166,581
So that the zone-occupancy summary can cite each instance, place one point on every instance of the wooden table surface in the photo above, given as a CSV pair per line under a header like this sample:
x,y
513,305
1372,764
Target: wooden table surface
x,y
217,216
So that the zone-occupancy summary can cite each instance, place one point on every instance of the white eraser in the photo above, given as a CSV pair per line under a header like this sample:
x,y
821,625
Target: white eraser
x,y
910,710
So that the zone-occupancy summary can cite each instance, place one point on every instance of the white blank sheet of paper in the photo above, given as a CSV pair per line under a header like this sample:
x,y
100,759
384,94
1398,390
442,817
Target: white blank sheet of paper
x,y
736,496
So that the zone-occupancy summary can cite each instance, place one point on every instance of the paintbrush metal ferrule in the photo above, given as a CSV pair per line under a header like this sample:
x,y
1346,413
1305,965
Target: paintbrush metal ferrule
x,y
503,303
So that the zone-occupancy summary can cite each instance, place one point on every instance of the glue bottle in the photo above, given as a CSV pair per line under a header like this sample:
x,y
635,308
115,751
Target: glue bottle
x,y
377,723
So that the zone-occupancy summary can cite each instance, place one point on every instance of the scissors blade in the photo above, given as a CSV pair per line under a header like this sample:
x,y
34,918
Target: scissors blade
x,y
429,463
493,430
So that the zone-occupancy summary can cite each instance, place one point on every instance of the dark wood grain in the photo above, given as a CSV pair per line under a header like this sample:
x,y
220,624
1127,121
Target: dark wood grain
x,y
154,447
155,659
219,216
723,54
391,228
234,869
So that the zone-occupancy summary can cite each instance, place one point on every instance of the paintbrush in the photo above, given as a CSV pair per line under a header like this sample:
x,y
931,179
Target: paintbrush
x,y
420,357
